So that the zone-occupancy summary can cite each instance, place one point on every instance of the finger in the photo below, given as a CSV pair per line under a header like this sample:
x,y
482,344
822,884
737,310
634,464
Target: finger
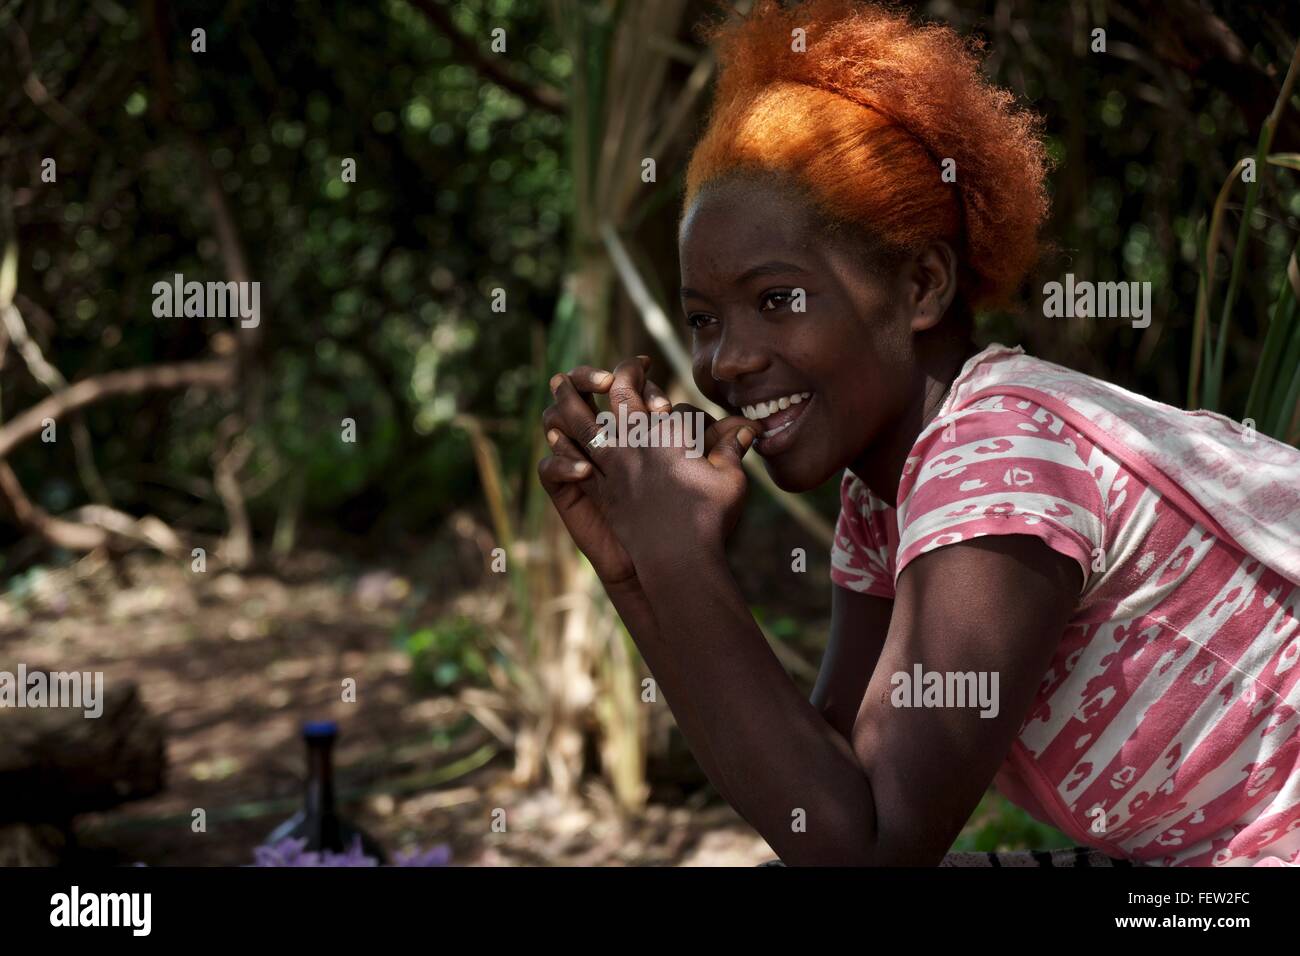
x,y
733,437
575,418
710,423
629,380
589,375
586,378
558,474
553,420
562,446
572,412
589,381
579,479
655,398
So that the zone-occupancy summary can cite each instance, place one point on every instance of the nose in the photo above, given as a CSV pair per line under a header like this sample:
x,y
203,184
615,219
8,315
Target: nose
x,y
739,352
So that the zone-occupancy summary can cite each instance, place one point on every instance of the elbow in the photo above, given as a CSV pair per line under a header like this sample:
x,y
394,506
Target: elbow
x,y
862,829
829,853
862,853
838,831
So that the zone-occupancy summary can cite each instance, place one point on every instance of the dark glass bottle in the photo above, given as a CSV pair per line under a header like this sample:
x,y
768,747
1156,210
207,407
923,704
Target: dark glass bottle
x,y
318,821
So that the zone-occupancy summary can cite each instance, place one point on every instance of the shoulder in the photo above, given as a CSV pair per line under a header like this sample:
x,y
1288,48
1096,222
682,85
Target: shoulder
x,y
1001,465
995,430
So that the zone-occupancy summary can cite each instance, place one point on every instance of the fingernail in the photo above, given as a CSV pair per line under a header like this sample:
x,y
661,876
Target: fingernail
x,y
644,360
552,437
746,437
581,467
661,404
603,379
555,381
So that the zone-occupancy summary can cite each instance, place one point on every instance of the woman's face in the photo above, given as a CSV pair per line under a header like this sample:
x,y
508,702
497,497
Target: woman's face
x,y
843,365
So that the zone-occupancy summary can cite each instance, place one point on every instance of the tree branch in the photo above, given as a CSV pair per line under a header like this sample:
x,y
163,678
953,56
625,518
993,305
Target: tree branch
x,y
39,95
542,97
238,543
209,374
52,378
1205,47
97,526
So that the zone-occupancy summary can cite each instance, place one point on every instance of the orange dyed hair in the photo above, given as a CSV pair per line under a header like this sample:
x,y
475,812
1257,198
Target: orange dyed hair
x,y
864,116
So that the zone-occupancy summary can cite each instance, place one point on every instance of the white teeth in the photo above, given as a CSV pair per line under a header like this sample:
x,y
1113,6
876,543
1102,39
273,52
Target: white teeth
x,y
764,409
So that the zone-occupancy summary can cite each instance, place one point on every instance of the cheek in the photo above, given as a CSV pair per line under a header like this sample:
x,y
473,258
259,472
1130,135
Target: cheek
x,y
853,377
835,355
702,370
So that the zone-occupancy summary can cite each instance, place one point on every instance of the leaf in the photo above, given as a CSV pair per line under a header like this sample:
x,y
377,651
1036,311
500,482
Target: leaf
x,y
1287,160
9,275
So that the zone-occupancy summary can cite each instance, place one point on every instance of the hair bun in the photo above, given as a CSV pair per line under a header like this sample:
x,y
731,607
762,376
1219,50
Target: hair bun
x,y
865,116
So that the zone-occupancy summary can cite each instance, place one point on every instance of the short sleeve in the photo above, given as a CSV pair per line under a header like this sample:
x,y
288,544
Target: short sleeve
x,y
1001,466
866,537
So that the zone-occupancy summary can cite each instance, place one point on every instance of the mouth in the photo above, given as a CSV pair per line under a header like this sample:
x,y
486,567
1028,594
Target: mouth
x,y
779,418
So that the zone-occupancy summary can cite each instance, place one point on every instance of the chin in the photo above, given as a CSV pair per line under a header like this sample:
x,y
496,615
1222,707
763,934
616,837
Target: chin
x,y
798,479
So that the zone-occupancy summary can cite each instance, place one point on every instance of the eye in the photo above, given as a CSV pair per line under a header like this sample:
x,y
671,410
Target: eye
x,y
697,320
784,295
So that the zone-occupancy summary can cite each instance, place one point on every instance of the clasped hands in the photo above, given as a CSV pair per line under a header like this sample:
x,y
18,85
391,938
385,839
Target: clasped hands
x,y
629,509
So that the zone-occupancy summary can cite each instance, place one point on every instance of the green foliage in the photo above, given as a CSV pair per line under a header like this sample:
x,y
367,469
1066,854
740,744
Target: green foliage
x,y
448,654
999,825
376,294
1275,388
781,626
1274,400
23,586
1142,142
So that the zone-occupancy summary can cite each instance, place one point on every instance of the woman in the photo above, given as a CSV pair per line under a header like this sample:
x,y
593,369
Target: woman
x,y
1042,580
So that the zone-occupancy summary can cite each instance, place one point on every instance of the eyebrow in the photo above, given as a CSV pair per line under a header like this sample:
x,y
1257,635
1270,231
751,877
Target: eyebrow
x,y
775,267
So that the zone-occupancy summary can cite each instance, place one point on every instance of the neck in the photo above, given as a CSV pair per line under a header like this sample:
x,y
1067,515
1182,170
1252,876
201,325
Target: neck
x,y
881,465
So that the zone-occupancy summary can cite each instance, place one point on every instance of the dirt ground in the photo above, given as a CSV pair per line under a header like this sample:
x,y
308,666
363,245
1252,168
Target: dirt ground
x,y
233,664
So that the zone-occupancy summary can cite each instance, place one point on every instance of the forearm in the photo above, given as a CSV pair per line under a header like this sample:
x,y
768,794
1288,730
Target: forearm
x,y
634,610
762,743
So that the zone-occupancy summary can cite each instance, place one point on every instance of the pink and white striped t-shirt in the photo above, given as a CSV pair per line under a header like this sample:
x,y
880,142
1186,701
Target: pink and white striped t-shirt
x,y
1167,728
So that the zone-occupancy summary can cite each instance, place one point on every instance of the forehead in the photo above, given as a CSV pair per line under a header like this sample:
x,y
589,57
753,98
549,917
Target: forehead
x,y
744,215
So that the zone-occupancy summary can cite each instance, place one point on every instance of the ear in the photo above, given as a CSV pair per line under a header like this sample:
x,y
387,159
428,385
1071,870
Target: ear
x,y
932,285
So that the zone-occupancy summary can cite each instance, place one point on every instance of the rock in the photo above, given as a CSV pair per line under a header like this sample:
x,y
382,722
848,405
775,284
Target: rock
x,y
55,762
23,844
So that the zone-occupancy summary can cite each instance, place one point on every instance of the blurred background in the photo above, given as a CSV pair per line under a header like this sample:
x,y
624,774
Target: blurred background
x,y
233,523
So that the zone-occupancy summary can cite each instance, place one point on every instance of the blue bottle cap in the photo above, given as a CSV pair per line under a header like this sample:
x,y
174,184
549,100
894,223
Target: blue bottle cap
x,y
320,728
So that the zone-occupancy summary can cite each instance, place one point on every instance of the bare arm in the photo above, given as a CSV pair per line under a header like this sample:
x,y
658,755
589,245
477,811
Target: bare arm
x,y
859,626
901,792
634,611
899,788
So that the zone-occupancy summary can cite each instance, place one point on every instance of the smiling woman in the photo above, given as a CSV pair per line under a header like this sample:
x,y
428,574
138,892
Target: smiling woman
x,y
1124,577
750,348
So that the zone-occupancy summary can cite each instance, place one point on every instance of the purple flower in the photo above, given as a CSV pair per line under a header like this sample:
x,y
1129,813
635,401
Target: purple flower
x,y
439,855
351,857
288,852
292,852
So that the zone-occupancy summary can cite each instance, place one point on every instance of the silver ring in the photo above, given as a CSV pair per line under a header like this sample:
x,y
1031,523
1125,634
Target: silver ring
x,y
598,441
